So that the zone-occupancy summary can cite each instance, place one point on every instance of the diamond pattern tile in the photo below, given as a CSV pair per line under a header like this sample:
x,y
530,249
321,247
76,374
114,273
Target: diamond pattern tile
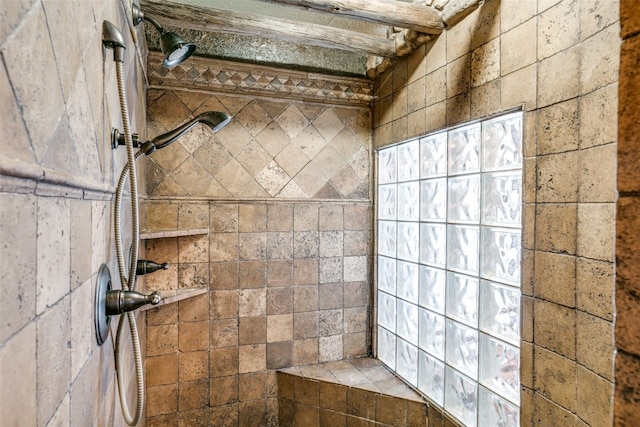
x,y
271,148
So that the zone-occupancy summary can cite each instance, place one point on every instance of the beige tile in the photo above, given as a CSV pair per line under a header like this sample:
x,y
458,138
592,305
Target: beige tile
x,y
252,358
595,398
305,351
399,103
458,41
193,275
557,128
41,103
416,95
252,330
17,262
517,46
161,216
10,119
252,302
555,328
356,344
597,179
162,339
223,361
279,273
279,328
330,348
600,60
224,333
279,245
595,287
20,350
485,63
224,218
556,378
161,370
558,77
555,278
595,344
519,88
280,217
598,117
53,252
596,230
558,28
595,16
223,275
485,99
556,227
547,412
252,274
82,326
223,246
557,177
53,358
305,325
459,76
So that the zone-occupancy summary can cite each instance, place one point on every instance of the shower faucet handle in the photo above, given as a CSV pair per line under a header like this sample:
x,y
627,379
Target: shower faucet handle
x,y
120,301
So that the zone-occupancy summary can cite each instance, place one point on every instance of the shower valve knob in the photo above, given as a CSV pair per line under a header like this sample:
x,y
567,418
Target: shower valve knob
x,y
119,301
145,267
117,139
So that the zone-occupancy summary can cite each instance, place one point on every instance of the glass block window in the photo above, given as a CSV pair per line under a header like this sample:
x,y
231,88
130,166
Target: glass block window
x,y
448,256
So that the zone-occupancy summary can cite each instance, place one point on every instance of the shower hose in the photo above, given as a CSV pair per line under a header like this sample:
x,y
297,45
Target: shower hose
x,y
128,282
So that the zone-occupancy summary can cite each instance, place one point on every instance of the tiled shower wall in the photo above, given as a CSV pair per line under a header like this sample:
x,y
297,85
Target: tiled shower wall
x,y
57,177
284,193
558,60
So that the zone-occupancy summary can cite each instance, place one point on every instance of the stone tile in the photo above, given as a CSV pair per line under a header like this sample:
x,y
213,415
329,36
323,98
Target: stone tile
x,y
306,244
252,358
273,139
162,399
161,369
416,93
162,339
559,77
193,249
279,301
224,333
252,302
519,88
459,76
193,275
555,278
191,215
292,121
224,275
436,81
223,361
557,128
37,99
555,328
17,262
280,217
458,41
546,411
305,351
556,227
330,348
224,218
305,298
485,99
252,274
458,109
252,386
193,394
399,103
164,315
594,398
596,230
82,326
20,350
53,358
557,177
597,183
252,246
233,177
305,325
600,60
273,178
252,330
558,28
595,287
485,63
279,354
212,157
556,378
355,268
279,273
279,245
598,117
53,252
595,344
223,391
223,247
518,46
279,328
356,344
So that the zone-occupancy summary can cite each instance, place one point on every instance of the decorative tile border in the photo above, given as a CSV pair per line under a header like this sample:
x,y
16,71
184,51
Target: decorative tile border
x,y
247,79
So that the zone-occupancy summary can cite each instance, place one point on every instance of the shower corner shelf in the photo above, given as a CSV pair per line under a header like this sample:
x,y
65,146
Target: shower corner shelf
x,y
174,295
163,234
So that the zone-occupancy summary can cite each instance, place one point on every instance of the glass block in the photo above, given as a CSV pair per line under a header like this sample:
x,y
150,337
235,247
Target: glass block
x,y
431,377
431,333
433,155
387,274
407,362
462,298
408,281
464,150
408,156
500,311
433,244
462,248
502,142
464,199
387,238
387,165
461,397
500,367
501,255
407,321
387,311
408,201
495,411
387,348
387,201
408,241
432,285
461,348
502,199
433,200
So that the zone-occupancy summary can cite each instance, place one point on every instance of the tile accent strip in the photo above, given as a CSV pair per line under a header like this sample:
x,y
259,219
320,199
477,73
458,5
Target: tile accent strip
x,y
250,79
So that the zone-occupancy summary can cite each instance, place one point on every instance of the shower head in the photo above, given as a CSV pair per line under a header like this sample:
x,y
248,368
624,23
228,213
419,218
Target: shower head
x,y
216,120
112,39
174,47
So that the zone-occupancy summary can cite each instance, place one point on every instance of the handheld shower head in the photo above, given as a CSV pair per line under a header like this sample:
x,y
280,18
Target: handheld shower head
x,y
112,39
216,120
174,47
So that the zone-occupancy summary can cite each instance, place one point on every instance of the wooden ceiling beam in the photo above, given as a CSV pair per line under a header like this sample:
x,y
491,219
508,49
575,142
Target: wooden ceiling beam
x,y
219,20
393,13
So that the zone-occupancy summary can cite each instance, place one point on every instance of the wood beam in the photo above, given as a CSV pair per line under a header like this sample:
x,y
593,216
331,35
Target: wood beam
x,y
219,20
420,18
